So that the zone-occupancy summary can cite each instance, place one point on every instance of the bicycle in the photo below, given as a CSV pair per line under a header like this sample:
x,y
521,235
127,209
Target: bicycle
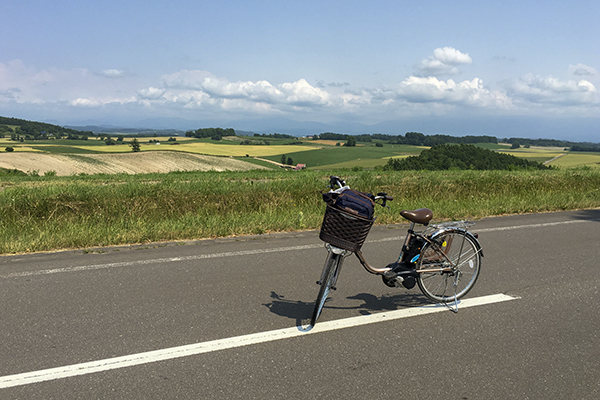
x,y
444,259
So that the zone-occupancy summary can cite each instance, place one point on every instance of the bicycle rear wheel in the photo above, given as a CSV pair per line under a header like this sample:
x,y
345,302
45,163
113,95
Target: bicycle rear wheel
x,y
328,279
441,282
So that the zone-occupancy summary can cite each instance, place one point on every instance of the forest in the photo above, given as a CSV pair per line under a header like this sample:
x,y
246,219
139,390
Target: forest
x,y
460,156
213,133
31,130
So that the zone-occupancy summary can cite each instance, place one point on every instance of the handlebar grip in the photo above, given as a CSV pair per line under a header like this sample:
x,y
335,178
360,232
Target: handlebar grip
x,y
336,180
385,196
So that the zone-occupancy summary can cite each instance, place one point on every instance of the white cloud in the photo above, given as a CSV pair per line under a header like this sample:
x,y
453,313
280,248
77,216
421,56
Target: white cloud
x,y
295,94
451,56
444,61
81,102
468,93
112,73
78,86
301,93
550,90
582,70
201,93
151,93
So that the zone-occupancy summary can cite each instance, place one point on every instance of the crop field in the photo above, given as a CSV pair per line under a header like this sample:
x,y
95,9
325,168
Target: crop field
x,y
578,159
369,156
224,148
315,154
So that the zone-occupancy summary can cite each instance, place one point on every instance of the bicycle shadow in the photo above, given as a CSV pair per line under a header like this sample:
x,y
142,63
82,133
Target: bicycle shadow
x,y
301,311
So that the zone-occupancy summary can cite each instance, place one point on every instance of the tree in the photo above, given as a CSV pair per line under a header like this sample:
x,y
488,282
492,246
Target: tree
x,y
283,158
290,161
461,156
135,145
9,149
351,141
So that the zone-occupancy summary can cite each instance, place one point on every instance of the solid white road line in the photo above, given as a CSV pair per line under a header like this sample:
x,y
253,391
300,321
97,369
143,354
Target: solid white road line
x,y
228,343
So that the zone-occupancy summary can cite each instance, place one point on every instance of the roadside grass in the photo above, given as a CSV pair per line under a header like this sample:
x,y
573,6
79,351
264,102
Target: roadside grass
x,y
50,212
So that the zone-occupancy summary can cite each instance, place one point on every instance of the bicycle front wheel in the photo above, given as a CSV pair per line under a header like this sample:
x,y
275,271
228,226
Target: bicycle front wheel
x,y
328,279
448,267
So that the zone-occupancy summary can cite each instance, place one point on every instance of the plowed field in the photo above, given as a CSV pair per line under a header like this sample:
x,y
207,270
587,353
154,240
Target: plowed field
x,y
130,163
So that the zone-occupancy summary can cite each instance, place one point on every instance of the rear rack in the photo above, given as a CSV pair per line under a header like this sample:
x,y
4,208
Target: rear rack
x,y
449,225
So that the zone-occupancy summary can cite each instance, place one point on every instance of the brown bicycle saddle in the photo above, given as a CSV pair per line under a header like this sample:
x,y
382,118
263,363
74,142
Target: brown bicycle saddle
x,y
420,216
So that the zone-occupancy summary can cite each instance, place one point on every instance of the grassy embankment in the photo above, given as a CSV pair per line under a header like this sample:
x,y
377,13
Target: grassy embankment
x,y
50,212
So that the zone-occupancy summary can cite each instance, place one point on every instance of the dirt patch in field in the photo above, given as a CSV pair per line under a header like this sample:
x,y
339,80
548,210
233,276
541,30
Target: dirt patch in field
x,y
129,163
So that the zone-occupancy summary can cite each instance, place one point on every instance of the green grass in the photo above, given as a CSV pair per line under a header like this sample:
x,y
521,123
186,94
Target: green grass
x,y
49,213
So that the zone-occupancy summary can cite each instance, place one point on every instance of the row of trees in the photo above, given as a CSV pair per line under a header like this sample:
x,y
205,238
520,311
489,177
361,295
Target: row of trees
x,y
213,133
275,136
420,139
586,147
460,156
410,138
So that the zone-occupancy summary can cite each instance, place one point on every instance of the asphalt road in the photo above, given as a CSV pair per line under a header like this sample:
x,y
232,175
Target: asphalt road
x,y
110,306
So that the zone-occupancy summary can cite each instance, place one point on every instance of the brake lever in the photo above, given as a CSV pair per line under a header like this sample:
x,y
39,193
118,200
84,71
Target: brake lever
x,y
385,198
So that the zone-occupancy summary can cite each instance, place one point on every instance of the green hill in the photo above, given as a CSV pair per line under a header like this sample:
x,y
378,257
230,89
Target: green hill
x,y
461,156
31,130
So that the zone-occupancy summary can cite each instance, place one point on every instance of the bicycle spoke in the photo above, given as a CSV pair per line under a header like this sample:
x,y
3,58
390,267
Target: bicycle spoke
x,y
458,259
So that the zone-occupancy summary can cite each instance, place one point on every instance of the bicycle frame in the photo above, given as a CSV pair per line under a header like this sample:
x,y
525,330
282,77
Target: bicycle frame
x,y
410,235
332,250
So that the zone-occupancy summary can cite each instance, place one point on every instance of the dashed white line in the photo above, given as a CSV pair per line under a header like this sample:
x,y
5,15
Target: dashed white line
x,y
245,252
228,343
159,261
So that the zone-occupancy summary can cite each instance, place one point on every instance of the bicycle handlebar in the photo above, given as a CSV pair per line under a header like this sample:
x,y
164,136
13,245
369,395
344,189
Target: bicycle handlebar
x,y
340,183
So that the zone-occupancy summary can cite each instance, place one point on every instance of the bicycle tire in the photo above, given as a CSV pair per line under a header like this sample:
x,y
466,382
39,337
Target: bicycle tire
x,y
328,279
463,251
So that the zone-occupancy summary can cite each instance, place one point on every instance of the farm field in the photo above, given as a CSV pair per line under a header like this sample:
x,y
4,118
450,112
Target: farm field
x,y
66,157
369,156
119,163
578,159
557,156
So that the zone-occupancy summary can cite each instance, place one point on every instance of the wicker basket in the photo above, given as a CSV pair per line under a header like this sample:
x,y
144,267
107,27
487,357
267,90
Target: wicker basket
x,y
344,230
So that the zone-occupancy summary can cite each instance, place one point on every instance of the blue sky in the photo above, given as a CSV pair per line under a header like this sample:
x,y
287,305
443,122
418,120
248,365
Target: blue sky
x,y
508,69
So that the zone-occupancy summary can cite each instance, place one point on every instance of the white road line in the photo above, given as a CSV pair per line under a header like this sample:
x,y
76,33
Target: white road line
x,y
228,343
159,261
510,228
247,252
